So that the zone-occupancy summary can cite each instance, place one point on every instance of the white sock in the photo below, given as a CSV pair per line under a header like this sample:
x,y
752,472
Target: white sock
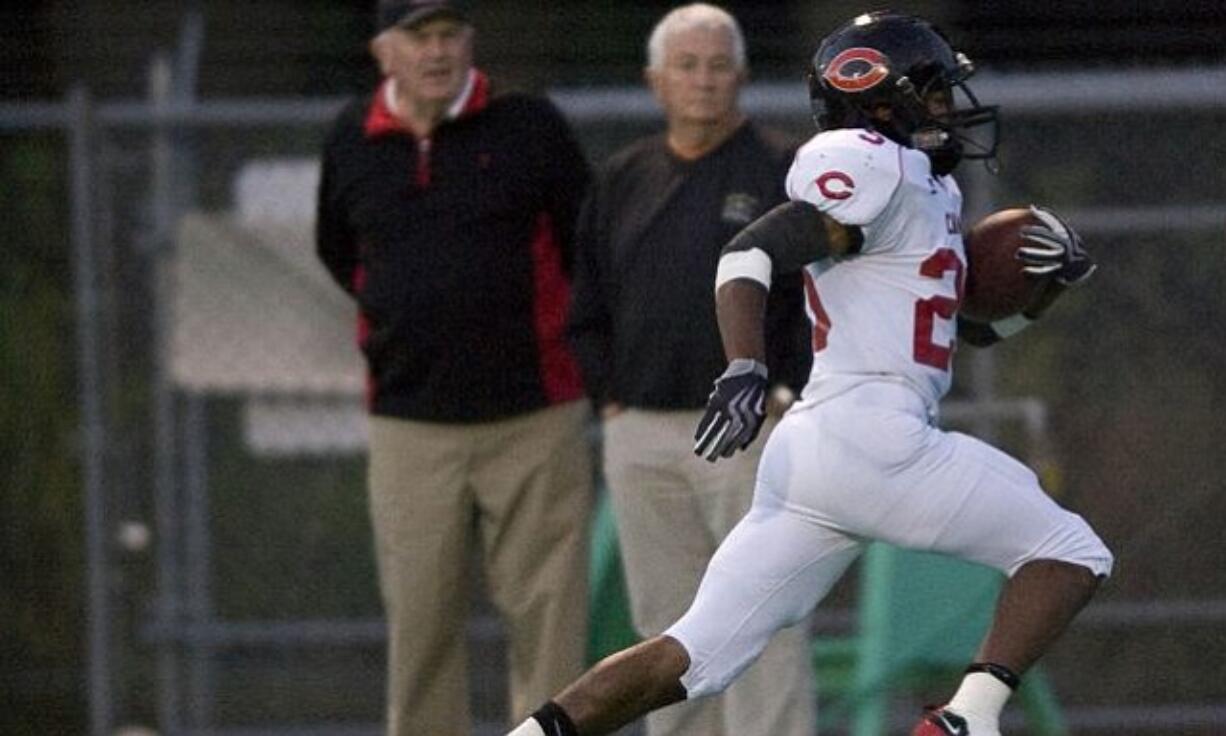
x,y
528,728
980,699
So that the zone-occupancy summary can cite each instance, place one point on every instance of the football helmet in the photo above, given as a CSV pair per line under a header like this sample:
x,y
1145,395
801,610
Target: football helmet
x,y
903,63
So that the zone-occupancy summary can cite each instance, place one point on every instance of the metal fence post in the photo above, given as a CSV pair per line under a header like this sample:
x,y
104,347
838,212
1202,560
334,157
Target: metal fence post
x,y
90,400
169,528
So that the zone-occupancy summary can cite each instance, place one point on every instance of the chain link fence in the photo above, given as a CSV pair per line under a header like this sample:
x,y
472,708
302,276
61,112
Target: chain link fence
x,y
230,581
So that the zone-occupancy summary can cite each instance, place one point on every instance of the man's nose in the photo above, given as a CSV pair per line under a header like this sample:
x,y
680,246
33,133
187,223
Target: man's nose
x,y
705,75
435,47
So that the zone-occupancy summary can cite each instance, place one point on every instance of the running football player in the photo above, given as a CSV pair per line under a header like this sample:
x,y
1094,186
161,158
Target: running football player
x,y
874,225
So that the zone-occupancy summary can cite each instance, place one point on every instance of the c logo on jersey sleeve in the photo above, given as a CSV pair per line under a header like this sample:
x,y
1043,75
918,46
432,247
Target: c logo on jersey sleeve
x,y
835,185
857,69
849,177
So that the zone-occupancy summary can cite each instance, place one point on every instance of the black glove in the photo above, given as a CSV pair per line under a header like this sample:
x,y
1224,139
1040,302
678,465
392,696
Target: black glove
x,y
735,411
1055,249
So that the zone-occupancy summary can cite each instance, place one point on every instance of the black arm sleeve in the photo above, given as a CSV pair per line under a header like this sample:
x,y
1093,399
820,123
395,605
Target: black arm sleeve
x,y
983,335
976,333
794,234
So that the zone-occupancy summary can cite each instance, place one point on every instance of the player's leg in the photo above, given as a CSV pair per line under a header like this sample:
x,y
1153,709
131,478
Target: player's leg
x,y
663,533
1035,606
775,695
421,514
905,482
886,473
621,688
997,514
767,575
532,477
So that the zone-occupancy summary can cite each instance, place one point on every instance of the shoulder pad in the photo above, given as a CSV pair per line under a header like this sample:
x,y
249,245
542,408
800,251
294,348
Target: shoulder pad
x,y
849,174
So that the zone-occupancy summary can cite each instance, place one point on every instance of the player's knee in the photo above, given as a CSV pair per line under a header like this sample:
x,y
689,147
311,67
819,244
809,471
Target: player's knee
x,y
712,665
1076,543
1105,560
708,678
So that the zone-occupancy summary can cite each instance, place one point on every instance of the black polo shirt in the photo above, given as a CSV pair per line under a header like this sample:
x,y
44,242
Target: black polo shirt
x,y
643,319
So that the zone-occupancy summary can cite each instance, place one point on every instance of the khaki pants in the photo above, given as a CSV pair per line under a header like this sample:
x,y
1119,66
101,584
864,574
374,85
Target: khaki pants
x,y
523,486
673,509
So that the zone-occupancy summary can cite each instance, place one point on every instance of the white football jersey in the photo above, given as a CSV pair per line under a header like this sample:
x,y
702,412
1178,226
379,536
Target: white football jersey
x,y
888,312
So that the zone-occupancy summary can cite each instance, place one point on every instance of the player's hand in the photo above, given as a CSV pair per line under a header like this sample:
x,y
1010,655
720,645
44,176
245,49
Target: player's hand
x,y
1055,249
735,411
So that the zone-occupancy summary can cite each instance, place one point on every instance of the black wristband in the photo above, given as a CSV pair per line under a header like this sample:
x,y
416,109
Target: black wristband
x,y
554,720
1004,674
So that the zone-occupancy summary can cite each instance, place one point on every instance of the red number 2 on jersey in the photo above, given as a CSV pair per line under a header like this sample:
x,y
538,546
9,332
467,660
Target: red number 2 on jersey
x,y
821,320
924,350
927,352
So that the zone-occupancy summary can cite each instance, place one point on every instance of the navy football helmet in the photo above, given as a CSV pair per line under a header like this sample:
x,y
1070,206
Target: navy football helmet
x,y
900,61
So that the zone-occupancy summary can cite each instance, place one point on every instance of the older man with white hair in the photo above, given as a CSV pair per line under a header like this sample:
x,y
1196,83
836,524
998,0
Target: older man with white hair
x,y
643,324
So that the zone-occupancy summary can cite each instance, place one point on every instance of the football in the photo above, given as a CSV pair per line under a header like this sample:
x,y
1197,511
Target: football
x,y
996,286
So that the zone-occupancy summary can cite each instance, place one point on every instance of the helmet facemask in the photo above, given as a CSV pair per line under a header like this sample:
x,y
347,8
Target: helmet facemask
x,y
963,129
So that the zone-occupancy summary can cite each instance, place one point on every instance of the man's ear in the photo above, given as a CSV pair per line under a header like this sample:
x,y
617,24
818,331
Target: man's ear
x,y
380,49
650,78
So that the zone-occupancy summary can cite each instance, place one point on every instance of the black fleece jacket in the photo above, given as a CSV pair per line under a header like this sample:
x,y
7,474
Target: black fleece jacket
x,y
458,250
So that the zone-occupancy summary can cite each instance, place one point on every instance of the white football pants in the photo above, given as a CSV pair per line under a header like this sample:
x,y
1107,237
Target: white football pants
x,y
865,465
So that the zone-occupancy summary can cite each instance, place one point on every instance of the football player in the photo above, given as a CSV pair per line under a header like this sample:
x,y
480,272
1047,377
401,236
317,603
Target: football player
x,y
874,225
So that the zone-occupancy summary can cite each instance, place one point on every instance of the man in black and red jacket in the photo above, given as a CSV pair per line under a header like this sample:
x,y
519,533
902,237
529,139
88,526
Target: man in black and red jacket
x,y
447,212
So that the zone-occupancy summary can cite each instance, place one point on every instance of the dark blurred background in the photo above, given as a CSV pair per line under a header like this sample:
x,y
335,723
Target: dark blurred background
x,y
317,47
1132,371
